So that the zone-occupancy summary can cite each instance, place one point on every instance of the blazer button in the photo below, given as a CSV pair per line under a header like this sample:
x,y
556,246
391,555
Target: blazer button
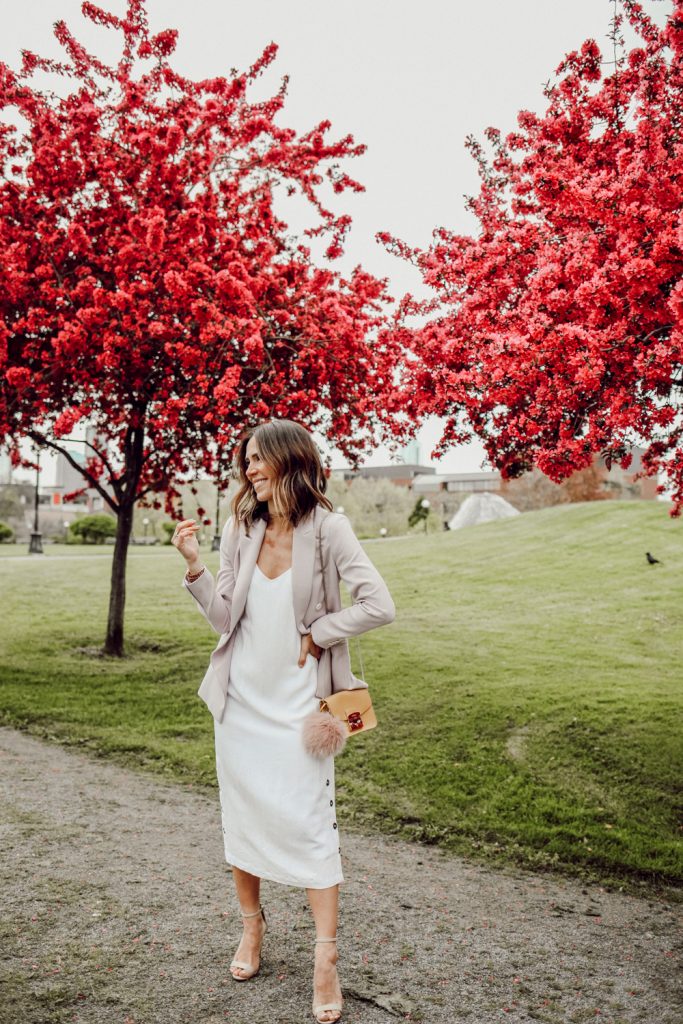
x,y
319,605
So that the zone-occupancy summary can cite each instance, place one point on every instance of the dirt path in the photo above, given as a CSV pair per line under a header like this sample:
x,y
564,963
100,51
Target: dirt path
x,y
117,907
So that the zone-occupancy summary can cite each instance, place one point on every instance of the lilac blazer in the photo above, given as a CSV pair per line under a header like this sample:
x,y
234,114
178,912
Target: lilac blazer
x,y
222,601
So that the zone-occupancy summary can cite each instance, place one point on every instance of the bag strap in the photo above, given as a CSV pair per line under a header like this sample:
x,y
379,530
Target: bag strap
x,y
319,537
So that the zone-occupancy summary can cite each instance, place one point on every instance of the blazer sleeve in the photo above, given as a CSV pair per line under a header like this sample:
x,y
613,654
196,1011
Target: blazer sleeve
x,y
214,597
372,604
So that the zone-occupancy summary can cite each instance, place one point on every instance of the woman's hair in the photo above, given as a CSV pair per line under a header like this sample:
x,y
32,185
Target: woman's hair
x,y
300,481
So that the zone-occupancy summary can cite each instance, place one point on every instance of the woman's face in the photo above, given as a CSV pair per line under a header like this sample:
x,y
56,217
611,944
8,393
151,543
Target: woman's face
x,y
259,474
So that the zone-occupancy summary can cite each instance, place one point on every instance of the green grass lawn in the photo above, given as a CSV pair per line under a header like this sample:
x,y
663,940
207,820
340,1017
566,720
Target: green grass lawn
x,y
528,693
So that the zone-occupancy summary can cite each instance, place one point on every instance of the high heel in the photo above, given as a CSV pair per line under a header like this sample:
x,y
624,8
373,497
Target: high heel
x,y
327,1007
242,964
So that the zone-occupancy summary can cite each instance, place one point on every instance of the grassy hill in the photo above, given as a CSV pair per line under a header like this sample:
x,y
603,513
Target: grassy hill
x,y
528,693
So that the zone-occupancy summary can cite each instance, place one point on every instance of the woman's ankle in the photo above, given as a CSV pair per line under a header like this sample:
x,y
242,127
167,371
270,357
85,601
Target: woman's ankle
x,y
330,955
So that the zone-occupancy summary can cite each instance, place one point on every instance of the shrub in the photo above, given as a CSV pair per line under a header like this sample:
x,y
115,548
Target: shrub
x,y
168,529
94,529
6,533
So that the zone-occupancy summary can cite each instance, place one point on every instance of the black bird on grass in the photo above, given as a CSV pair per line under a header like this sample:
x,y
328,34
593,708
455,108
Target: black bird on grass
x,y
651,559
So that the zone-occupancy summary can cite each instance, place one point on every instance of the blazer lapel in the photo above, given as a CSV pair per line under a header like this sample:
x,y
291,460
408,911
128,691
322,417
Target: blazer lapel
x,y
303,560
249,547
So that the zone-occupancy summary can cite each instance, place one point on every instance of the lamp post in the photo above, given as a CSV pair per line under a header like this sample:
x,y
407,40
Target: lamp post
x,y
425,504
383,531
35,546
340,510
216,542
145,524
66,529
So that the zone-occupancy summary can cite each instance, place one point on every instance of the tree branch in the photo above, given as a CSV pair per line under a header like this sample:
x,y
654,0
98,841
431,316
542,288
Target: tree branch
x,y
94,483
103,458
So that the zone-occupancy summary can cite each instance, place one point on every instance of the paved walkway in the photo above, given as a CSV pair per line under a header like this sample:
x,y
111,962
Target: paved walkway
x,y
117,907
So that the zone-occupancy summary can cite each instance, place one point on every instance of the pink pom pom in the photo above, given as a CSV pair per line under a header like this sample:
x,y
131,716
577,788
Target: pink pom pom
x,y
323,734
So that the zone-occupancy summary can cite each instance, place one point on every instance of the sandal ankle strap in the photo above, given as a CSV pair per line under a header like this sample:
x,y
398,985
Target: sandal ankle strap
x,y
255,913
327,940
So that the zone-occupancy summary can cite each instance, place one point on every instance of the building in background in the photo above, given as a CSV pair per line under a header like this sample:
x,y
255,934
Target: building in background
x,y
447,491
55,514
402,472
68,479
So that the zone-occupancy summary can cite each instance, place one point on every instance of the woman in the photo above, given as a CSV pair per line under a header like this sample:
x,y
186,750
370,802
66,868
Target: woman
x,y
281,649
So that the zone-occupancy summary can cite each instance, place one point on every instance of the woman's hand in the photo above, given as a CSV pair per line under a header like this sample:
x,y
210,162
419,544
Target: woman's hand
x,y
185,540
308,647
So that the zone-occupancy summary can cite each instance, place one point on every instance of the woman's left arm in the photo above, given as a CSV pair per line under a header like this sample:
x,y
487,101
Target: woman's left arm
x,y
372,604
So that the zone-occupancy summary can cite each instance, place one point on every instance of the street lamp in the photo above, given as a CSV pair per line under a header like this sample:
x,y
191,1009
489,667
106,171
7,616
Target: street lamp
x,y
145,524
383,531
340,510
216,542
66,529
425,504
35,546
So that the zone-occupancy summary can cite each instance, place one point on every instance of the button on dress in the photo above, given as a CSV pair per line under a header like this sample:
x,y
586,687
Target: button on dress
x,y
278,805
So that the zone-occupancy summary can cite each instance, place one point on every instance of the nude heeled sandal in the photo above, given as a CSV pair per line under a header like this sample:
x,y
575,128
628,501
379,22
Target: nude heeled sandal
x,y
326,1007
242,964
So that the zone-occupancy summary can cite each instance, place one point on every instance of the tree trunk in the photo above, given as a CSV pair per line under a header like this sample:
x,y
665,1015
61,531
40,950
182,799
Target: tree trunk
x,y
133,448
113,643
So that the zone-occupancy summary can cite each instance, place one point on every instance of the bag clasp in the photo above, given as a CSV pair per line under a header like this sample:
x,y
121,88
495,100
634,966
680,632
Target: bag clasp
x,y
355,721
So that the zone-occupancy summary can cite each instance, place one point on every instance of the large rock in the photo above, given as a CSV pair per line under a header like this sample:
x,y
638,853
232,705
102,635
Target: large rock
x,y
481,508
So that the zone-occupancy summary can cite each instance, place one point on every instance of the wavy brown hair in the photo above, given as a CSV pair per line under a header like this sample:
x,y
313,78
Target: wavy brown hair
x,y
300,481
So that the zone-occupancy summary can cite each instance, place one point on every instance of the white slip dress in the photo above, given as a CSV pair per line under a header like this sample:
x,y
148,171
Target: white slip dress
x,y
278,805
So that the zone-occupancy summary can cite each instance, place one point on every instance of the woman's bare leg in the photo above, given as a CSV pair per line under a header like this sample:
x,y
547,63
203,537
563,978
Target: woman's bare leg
x,y
325,905
248,889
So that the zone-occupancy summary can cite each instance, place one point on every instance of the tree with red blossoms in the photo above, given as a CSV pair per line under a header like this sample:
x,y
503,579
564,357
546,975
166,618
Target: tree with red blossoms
x,y
149,284
557,331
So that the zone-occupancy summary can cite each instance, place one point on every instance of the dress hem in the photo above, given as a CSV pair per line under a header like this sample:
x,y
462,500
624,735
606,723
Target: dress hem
x,y
267,877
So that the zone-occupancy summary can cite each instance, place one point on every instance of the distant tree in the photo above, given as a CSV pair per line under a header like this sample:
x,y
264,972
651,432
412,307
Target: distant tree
x,y
10,503
6,533
585,485
533,490
372,504
419,513
556,329
93,529
148,285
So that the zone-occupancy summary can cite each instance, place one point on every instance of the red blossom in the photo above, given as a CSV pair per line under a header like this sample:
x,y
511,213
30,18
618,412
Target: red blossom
x,y
148,276
66,421
556,331
147,281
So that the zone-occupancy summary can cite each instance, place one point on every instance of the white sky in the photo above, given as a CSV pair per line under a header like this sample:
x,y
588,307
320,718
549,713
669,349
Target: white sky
x,y
409,80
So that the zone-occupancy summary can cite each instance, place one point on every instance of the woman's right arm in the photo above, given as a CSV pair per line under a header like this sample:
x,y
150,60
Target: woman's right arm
x,y
214,597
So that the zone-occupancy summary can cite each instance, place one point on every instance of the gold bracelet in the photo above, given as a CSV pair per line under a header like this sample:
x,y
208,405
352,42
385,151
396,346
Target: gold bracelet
x,y
192,576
